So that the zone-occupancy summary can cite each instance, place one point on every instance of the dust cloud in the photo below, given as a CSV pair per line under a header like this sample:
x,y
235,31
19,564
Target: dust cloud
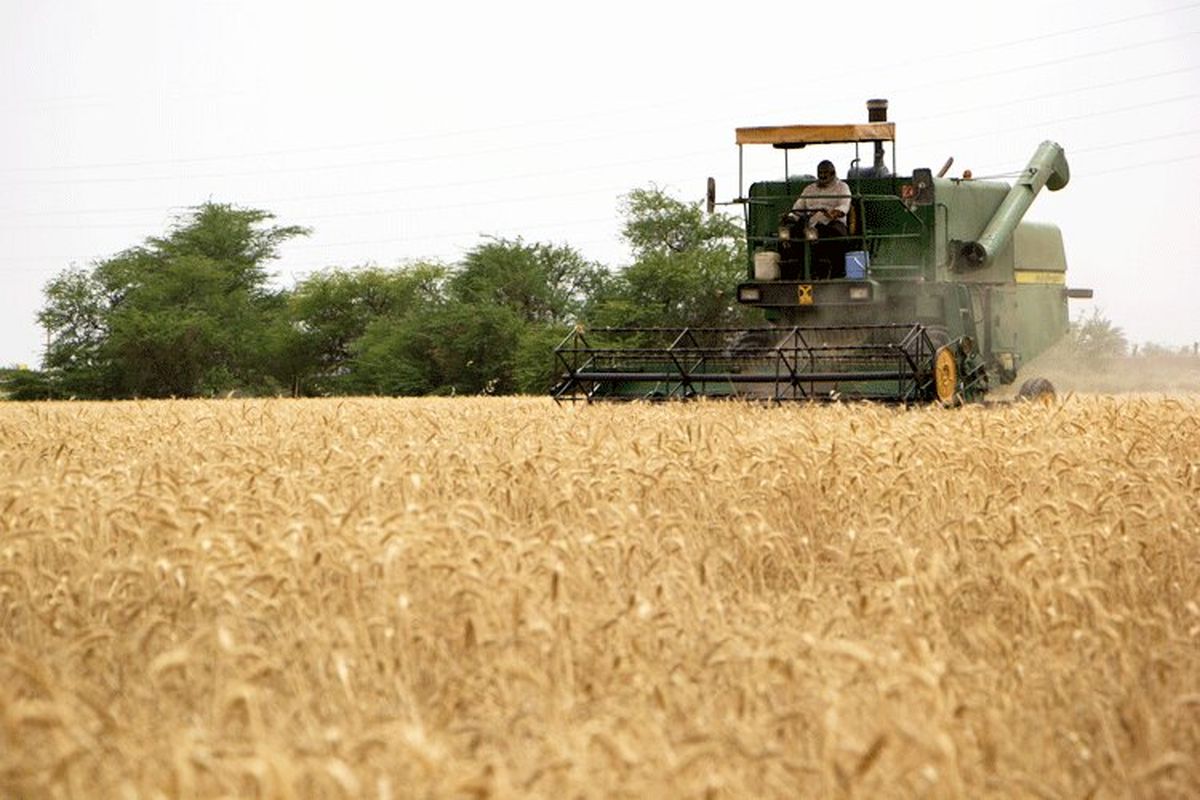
x,y
1158,373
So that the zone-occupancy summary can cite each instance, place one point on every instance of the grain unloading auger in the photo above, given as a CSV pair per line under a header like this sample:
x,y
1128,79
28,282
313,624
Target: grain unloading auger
x,y
936,290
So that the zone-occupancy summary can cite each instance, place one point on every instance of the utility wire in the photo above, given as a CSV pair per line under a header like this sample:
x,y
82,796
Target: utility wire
x,y
460,235
511,200
1056,34
957,111
606,166
496,151
608,113
1061,120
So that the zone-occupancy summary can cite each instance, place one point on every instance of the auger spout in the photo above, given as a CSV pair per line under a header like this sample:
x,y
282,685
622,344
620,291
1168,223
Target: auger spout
x,y
1048,168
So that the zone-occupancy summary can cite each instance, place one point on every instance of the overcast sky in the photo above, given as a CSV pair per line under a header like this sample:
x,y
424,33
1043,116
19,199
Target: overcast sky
x,y
401,132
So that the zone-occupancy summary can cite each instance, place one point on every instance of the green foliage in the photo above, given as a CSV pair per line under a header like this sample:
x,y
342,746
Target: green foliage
x,y
452,348
192,312
393,357
1094,338
541,283
330,311
535,371
185,314
76,316
686,268
233,238
656,224
27,384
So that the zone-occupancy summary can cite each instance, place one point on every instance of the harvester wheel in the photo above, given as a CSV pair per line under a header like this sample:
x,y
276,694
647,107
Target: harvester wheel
x,y
1037,389
945,376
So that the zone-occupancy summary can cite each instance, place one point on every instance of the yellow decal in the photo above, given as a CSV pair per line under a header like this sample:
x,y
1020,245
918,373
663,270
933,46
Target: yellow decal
x,y
804,294
1041,276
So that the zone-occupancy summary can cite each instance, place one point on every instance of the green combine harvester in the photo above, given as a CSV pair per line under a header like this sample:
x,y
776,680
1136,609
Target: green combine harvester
x,y
936,292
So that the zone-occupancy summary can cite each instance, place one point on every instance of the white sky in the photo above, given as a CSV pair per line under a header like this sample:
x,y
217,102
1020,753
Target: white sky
x,y
401,131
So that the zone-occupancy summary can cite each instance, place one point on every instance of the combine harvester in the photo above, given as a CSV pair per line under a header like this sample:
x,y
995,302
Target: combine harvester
x,y
945,291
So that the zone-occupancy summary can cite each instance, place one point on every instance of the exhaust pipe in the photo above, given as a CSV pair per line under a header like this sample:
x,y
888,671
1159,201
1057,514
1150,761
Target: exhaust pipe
x,y
877,112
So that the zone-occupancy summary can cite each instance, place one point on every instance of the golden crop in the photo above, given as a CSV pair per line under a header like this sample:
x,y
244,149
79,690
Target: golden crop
x,y
500,597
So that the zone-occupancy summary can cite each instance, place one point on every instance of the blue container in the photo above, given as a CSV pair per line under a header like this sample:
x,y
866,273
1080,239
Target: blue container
x,y
857,262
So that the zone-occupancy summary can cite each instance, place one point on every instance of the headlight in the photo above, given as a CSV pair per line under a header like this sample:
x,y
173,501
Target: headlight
x,y
749,294
860,292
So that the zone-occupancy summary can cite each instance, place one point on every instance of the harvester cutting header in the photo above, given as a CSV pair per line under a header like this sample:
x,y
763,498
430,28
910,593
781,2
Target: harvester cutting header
x,y
909,289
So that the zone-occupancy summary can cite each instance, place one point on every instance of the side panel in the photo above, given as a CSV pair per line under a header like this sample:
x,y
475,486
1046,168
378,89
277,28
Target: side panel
x,y
964,209
1038,246
1042,318
1041,280
1003,321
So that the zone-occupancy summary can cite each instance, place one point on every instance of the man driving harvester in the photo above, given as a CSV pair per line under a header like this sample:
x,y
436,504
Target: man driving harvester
x,y
822,209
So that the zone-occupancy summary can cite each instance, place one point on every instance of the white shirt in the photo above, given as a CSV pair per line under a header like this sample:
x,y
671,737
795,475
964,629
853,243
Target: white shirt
x,y
835,195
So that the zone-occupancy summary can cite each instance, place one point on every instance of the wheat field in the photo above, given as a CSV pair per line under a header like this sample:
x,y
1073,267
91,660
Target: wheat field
x,y
493,597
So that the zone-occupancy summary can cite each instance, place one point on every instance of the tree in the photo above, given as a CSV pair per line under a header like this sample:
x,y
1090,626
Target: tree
x,y
330,311
685,271
76,317
27,384
184,314
1096,338
542,283
452,348
192,312
656,224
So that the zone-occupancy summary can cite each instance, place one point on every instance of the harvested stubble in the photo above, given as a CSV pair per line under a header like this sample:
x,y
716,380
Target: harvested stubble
x,y
497,597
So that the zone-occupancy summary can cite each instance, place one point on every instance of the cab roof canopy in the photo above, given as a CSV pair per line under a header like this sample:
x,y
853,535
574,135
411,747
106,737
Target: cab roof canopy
x,y
789,136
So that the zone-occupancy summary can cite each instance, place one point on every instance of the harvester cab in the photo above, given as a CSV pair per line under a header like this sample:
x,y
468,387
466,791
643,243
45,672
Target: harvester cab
x,y
875,285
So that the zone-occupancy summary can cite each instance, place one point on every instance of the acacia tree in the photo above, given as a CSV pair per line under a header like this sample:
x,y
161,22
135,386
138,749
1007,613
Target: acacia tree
x,y
187,313
330,311
491,329
541,283
685,269
76,315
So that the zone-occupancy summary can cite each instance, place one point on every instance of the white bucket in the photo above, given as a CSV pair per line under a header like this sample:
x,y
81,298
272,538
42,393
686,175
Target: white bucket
x,y
857,262
766,265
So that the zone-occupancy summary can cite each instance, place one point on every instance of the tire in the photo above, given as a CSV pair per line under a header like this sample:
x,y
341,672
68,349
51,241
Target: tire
x,y
1037,389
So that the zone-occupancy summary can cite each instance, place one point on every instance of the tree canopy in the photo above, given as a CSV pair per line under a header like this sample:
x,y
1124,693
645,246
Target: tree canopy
x,y
184,314
194,312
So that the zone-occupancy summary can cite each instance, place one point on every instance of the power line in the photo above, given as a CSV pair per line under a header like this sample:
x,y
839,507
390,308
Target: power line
x,y
515,148
609,113
1140,165
592,168
1060,120
475,182
1054,35
373,212
1143,140
343,165
586,192
1051,95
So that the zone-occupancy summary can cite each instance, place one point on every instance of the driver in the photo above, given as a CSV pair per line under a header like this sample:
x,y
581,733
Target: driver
x,y
823,207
